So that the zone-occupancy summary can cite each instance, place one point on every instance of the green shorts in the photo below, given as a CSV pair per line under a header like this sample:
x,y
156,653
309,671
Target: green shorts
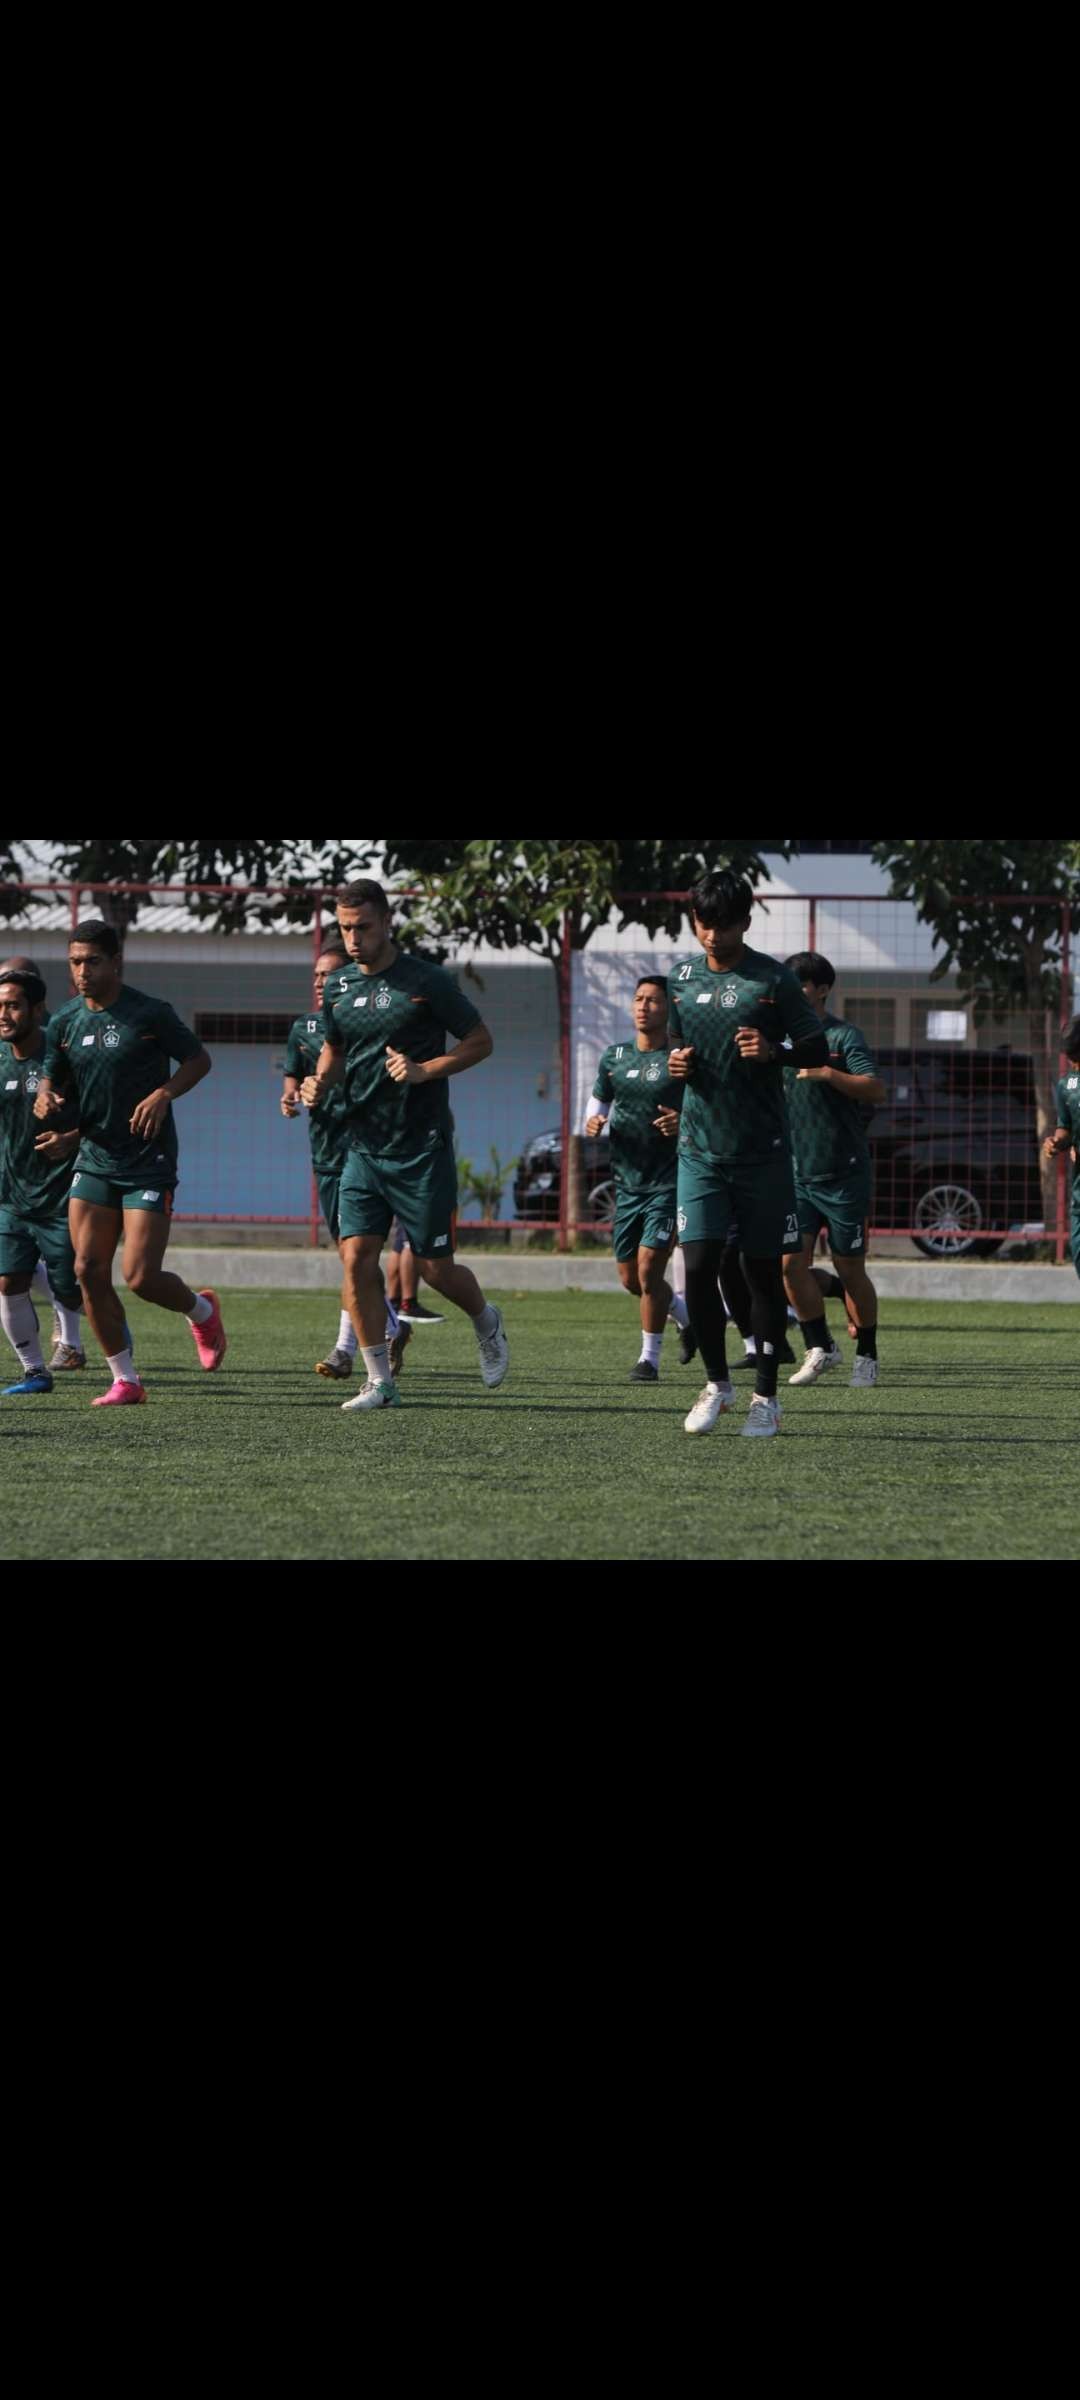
x,y
23,1240
843,1208
100,1191
757,1195
643,1221
421,1191
330,1201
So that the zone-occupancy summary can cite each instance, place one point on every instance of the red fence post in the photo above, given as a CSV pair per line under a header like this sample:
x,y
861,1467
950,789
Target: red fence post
x,y
1060,1243
566,991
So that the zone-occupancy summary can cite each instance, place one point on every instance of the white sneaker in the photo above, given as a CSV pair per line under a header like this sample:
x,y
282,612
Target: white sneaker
x,y
374,1395
764,1416
814,1364
864,1371
710,1405
495,1355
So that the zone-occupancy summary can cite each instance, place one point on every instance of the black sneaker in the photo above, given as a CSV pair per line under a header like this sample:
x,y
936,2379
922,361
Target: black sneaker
x,y
416,1314
644,1373
687,1345
398,1345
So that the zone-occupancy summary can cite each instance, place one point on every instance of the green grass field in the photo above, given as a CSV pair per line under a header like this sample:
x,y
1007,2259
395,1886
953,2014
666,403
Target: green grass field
x,y
966,1449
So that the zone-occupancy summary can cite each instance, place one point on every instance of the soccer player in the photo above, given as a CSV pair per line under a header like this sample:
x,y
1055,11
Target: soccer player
x,y
827,1108
1067,1131
68,1351
632,1085
35,1178
730,1008
385,1019
112,1045
328,1134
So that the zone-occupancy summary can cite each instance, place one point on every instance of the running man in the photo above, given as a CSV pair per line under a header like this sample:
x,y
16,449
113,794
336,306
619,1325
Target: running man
x,y
67,1323
112,1045
632,1086
328,1134
1067,1132
35,1179
827,1108
730,1008
385,1019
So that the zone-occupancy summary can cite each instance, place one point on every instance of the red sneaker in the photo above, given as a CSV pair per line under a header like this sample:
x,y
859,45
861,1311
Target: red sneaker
x,y
120,1395
210,1339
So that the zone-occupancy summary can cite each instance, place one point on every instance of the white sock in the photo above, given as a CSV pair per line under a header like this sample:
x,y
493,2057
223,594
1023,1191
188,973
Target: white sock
x,y
391,1320
39,1282
123,1367
678,1313
650,1348
21,1327
486,1323
377,1362
346,1339
197,1314
71,1325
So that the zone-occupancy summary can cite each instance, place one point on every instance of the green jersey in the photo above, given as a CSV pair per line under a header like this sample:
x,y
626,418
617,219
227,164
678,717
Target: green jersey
x,y
734,1108
410,1007
326,1123
828,1128
116,1057
1068,1104
28,1184
638,1084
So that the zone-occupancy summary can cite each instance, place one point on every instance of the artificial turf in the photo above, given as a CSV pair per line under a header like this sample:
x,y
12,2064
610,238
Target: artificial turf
x,y
967,1447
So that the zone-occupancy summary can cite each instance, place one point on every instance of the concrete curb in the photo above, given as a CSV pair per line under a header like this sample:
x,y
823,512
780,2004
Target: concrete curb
x,y
518,1271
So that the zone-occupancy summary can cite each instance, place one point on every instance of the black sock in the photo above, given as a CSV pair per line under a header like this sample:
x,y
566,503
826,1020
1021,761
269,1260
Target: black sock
x,y
815,1334
766,1281
866,1341
705,1306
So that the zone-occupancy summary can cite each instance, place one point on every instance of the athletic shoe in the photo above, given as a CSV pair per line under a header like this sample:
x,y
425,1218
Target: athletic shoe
x,y
708,1407
495,1355
65,1356
398,1345
374,1395
644,1372
687,1345
864,1371
338,1366
120,1395
764,1416
37,1380
209,1337
814,1364
415,1314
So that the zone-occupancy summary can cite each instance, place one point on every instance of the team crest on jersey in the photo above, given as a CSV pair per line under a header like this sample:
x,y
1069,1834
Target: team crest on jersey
x,y
32,1082
653,1074
383,998
111,1038
729,999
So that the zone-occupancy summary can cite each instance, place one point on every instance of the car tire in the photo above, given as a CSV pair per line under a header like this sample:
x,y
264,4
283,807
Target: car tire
x,y
602,1203
950,1215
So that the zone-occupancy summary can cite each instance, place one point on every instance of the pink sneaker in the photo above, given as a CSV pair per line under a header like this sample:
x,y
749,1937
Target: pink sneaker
x,y
120,1395
210,1339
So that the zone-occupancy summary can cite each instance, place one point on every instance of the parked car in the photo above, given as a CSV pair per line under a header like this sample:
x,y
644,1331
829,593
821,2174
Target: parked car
x,y
954,1148
538,1182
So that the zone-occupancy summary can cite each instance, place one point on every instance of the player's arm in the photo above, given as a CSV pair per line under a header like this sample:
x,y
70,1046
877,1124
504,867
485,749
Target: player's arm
x,y
329,1069
853,1072
53,1146
148,1116
290,1089
474,1046
603,1093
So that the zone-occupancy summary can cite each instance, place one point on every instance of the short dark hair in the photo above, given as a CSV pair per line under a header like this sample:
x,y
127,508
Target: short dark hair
x,y
31,985
356,895
104,937
19,964
721,898
658,979
1070,1040
808,966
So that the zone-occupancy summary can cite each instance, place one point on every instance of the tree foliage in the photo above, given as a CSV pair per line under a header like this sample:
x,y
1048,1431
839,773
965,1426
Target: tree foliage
x,y
516,894
1005,956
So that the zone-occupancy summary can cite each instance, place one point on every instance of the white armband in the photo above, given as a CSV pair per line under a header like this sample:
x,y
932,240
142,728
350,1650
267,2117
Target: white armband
x,y
598,1108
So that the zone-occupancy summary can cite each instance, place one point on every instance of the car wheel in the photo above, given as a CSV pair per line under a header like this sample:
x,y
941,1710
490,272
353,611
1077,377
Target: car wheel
x,y
949,1217
602,1203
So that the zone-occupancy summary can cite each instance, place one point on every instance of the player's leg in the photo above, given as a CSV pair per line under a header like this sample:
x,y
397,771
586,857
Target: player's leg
x,y
337,1365
146,1235
95,1228
17,1312
426,1201
851,1268
804,1293
765,1205
657,1302
58,1260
